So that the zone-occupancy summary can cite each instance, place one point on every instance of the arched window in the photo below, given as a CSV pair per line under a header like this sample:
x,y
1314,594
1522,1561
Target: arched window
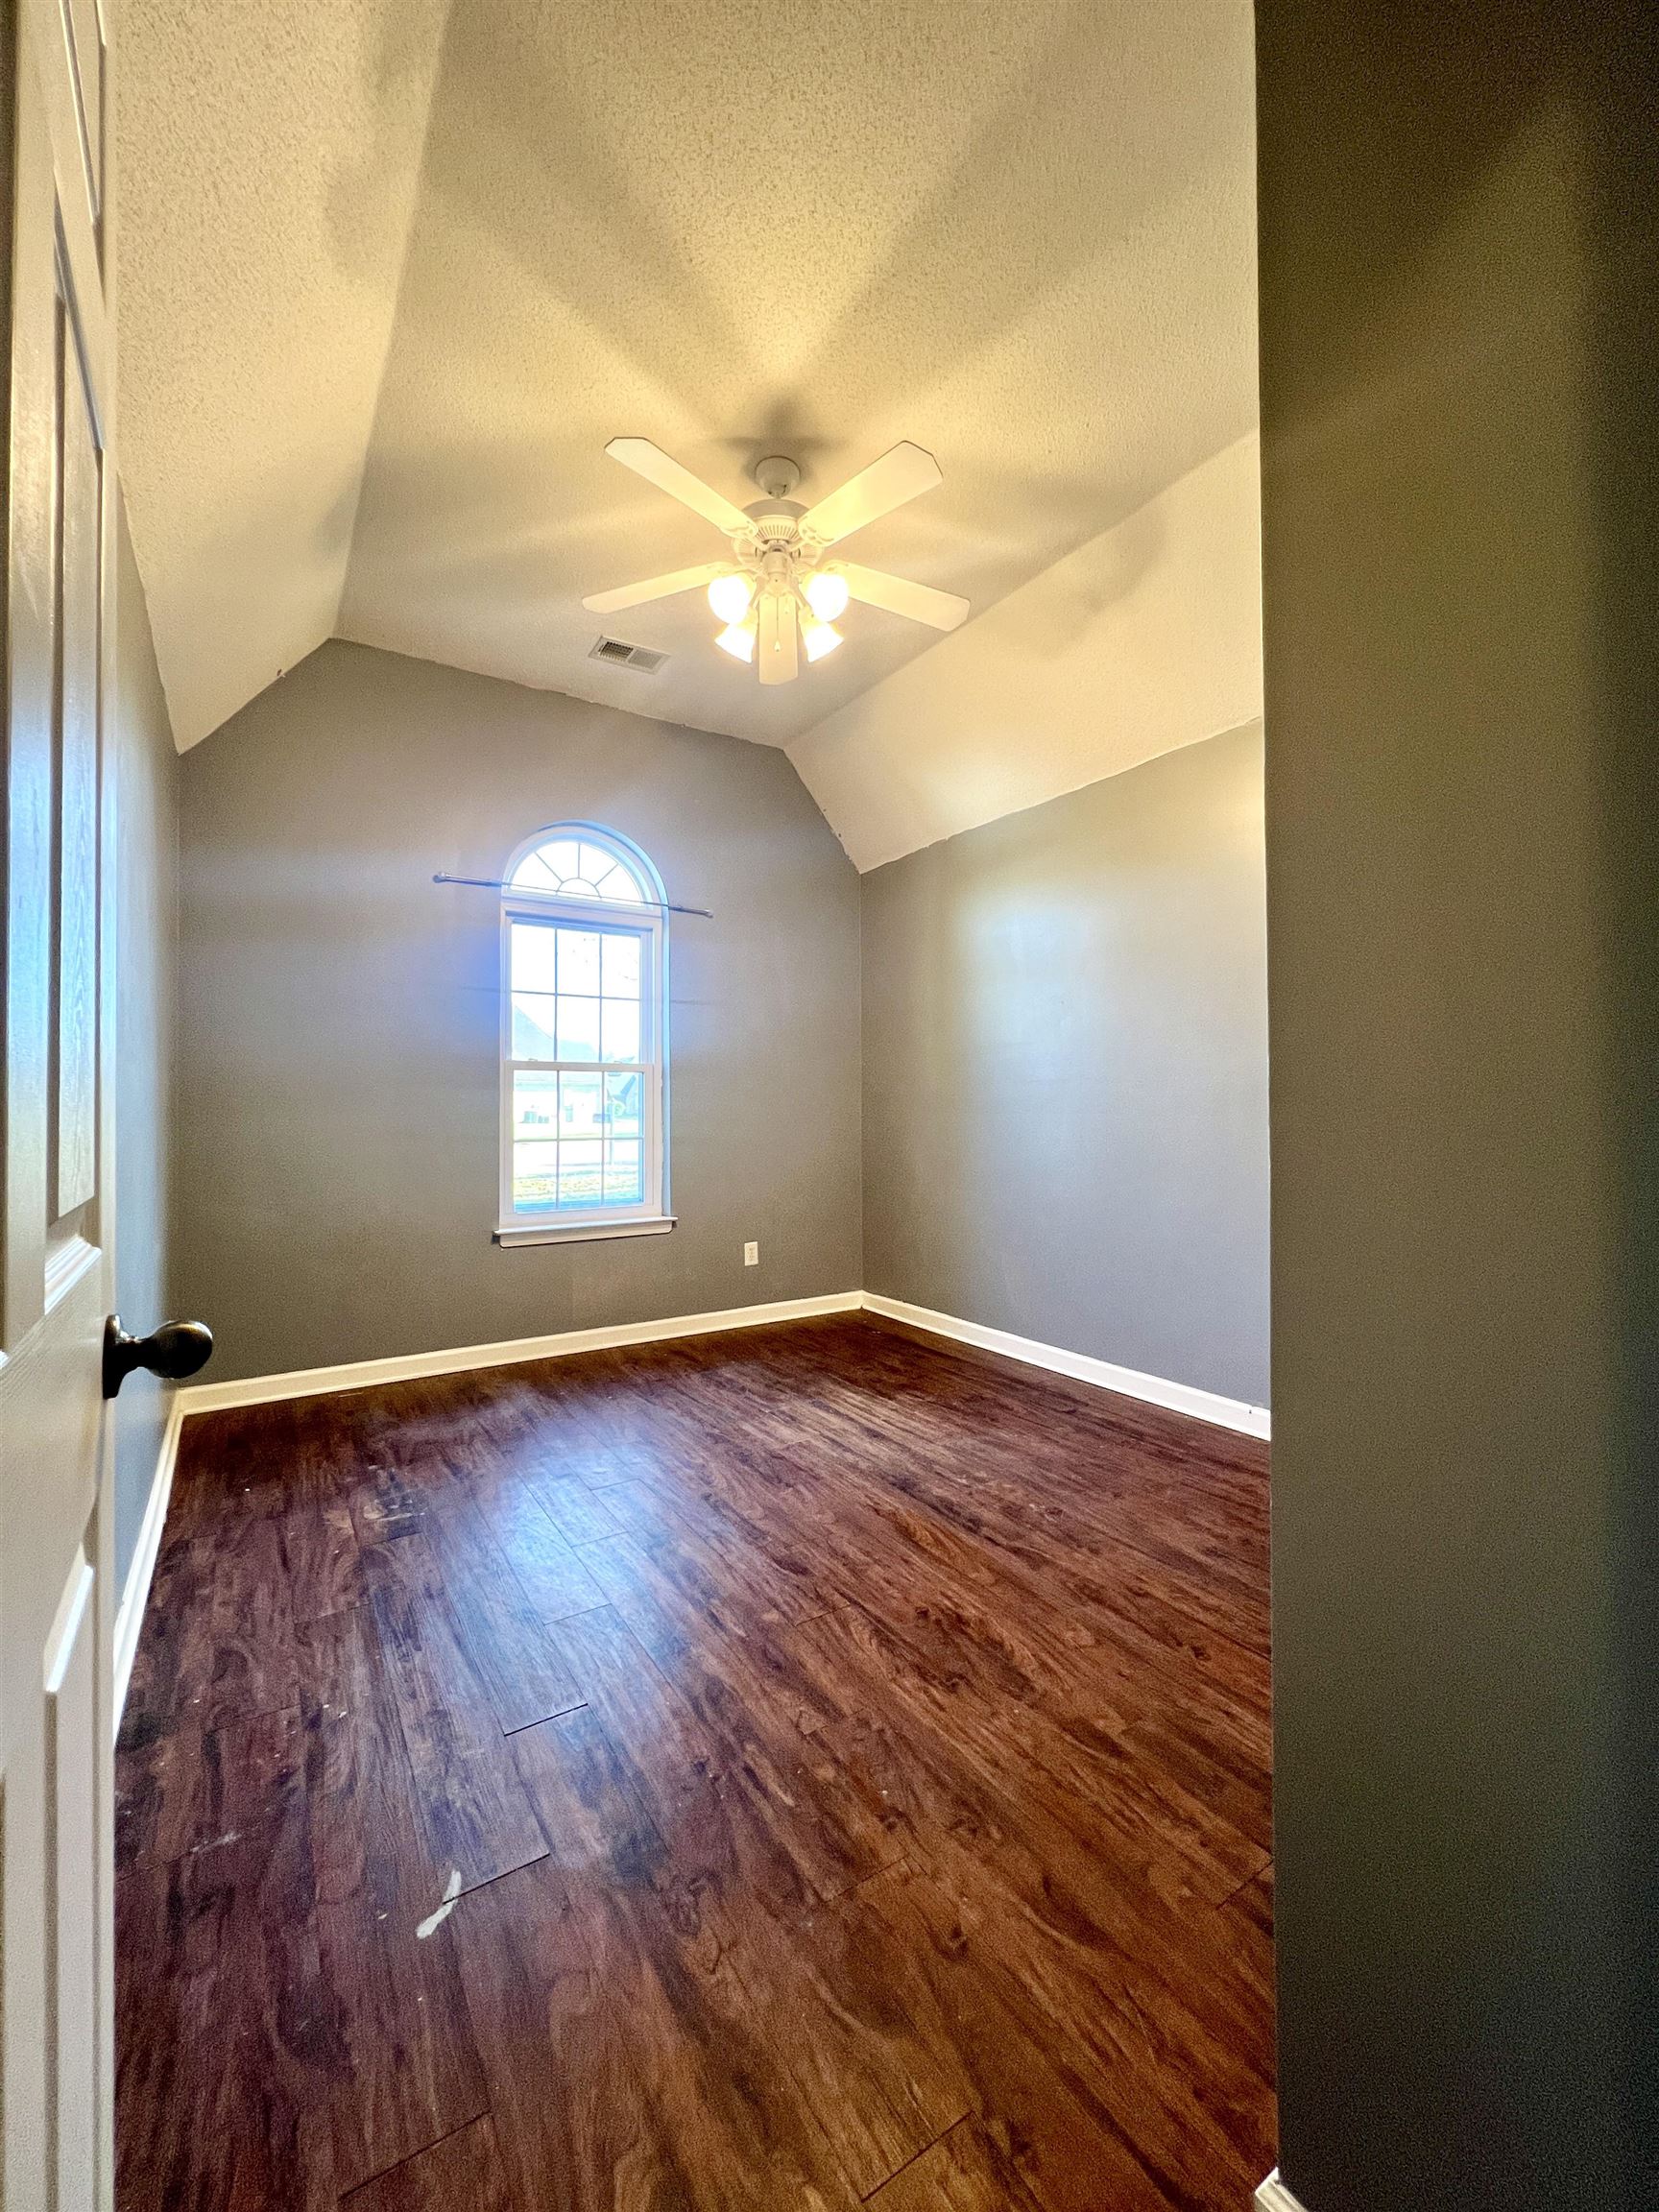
x,y
576,861
584,1040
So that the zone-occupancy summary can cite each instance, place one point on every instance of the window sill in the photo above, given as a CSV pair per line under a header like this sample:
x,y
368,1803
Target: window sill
x,y
584,1232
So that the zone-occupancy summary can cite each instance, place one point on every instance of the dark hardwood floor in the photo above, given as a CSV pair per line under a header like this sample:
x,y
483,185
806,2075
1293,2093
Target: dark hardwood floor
x,y
789,1769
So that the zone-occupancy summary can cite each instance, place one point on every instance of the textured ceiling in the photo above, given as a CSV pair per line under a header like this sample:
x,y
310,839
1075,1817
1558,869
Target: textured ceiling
x,y
266,162
1145,638
1021,235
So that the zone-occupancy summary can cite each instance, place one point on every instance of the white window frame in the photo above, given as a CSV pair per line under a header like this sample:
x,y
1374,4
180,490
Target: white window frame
x,y
651,1216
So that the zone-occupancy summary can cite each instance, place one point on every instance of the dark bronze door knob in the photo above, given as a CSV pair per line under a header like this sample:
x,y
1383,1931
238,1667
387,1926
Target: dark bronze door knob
x,y
175,1350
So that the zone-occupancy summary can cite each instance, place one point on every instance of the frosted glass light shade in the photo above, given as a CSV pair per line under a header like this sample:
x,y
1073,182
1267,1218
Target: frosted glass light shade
x,y
827,596
730,597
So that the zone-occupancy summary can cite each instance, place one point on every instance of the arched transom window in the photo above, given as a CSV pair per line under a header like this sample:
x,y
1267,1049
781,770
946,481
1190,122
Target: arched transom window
x,y
584,1040
582,866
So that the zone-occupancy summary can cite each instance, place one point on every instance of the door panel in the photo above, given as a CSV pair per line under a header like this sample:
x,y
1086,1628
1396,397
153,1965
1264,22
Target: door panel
x,y
80,562
71,1722
56,1116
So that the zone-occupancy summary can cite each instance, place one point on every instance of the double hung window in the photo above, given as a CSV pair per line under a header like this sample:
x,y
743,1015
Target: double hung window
x,y
584,1043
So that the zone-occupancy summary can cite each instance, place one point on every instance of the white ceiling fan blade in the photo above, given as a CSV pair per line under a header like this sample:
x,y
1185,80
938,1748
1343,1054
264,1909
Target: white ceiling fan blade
x,y
776,650
942,610
666,472
653,588
902,474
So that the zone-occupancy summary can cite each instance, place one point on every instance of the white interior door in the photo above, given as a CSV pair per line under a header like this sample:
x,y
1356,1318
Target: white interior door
x,y
56,1213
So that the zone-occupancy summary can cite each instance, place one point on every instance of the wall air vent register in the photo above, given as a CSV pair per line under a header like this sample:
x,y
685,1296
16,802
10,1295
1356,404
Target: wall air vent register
x,y
623,656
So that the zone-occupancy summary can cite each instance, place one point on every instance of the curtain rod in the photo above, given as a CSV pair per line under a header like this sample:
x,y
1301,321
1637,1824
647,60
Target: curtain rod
x,y
523,891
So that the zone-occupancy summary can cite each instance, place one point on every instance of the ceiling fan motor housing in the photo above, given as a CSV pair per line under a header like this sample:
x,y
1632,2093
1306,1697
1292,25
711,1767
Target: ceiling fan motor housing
x,y
776,521
777,545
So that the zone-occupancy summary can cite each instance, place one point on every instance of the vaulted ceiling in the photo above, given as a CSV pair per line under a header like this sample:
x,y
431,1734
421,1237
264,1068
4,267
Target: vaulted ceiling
x,y
392,272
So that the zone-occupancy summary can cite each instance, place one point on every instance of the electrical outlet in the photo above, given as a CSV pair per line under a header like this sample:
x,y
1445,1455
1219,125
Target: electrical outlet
x,y
751,1254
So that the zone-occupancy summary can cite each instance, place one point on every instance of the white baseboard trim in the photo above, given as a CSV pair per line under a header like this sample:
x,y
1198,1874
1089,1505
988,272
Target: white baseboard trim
x,y
410,1366
1152,1389
1274,2196
141,1567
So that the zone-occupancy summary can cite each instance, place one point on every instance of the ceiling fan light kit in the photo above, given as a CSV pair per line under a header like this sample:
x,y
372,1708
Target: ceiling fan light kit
x,y
774,595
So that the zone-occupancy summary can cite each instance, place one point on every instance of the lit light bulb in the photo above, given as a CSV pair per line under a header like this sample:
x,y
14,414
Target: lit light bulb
x,y
819,638
738,640
729,597
827,596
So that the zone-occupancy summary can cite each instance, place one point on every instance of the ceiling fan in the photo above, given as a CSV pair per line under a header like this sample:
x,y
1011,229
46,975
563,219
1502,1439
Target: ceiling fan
x,y
775,591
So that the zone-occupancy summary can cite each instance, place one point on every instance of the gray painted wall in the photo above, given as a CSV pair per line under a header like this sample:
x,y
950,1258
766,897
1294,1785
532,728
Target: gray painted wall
x,y
147,820
1065,1071
1459,253
339,1016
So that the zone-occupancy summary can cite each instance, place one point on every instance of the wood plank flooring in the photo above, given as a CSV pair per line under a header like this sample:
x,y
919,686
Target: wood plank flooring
x,y
809,1766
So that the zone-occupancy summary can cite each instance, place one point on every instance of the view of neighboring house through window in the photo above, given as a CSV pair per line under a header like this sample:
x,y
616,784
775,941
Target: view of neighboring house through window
x,y
582,1044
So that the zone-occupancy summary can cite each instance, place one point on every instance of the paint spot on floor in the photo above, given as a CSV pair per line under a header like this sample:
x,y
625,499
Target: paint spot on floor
x,y
216,1843
436,1920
